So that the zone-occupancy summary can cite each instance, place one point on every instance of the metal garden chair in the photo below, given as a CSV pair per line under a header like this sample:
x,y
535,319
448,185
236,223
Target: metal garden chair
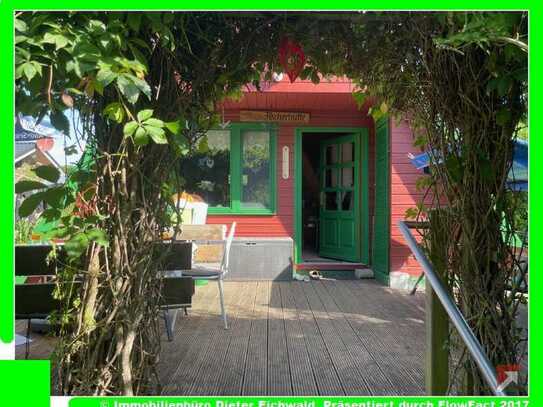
x,y
210,272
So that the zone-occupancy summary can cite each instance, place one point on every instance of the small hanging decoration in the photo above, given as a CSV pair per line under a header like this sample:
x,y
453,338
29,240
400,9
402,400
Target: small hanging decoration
x,y
291,57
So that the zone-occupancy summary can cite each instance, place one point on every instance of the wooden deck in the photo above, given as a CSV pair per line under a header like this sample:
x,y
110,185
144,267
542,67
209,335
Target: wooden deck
x,y
296,338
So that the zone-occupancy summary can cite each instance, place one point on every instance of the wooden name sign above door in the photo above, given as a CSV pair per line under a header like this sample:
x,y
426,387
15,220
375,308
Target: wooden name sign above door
x,y
264,116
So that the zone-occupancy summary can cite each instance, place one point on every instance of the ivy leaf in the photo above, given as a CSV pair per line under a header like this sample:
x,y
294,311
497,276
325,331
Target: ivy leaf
x,y
376,114
27,185
141,138
60,122
97,26
128,88
157,134
420,141
203,146
145,114
20,38
154,123
47,172
114,111
76,245
143,86
59,40
105,76
359,98
98,236
29,205
173,127
130,128
50,215
411,213
29,70
55,197
20,25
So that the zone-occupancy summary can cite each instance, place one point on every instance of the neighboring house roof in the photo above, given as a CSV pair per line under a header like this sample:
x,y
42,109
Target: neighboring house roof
x,y
31,138
23,150
26,129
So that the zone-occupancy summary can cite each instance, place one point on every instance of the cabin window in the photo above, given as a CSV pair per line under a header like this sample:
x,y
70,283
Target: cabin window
x,y
234,170
206,170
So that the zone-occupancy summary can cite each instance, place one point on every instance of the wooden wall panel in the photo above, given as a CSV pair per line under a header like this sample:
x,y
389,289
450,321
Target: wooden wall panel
x,y
403,195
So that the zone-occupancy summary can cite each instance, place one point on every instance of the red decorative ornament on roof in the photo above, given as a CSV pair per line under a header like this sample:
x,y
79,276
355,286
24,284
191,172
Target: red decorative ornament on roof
x,y
291,58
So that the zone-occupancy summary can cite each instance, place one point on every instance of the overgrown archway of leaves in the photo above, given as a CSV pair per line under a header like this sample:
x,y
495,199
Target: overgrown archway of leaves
x,y
147,85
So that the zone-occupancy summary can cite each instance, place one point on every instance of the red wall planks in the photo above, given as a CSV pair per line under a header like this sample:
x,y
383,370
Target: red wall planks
x,y
403,195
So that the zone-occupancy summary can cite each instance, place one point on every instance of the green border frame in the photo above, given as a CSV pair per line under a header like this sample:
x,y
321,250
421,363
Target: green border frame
x,y
236,192
363,134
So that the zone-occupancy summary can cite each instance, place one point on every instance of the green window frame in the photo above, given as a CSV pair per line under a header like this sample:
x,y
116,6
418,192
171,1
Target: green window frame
x,y
236,161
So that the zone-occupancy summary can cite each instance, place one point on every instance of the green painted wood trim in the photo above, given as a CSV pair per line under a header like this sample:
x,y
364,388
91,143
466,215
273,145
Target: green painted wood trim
x,y
235,169
236,207
298,134
380,260
298,196
364,199
437,352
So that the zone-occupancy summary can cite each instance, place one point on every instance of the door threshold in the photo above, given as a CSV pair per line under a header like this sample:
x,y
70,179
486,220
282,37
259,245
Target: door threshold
x,y
329,265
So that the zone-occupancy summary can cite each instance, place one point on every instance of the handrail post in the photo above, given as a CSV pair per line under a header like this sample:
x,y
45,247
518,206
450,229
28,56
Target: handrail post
x,y
437,351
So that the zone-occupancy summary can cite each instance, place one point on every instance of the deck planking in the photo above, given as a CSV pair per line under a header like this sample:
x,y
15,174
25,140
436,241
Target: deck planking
x,y
293,338
299,338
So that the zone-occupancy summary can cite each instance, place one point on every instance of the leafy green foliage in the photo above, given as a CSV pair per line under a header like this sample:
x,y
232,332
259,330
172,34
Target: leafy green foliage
x,y
146,128
48,173
28,185
115,111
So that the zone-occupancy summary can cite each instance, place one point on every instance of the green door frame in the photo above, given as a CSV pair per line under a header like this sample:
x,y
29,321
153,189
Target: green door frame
x,y
363,134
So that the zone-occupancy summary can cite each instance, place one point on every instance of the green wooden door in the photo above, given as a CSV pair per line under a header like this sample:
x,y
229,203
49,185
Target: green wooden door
x,y
381,224
339,236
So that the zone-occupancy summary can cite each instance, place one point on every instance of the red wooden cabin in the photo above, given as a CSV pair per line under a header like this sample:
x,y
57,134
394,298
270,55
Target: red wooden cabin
x,y
302,165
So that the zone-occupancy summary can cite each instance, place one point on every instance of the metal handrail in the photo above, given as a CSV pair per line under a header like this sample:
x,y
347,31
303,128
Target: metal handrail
x,y
467,335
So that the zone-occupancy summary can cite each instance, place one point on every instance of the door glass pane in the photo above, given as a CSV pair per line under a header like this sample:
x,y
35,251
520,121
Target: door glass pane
x,y
330,178
347,177
205,170
331,201
331,154
347,152
255,173
347,200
